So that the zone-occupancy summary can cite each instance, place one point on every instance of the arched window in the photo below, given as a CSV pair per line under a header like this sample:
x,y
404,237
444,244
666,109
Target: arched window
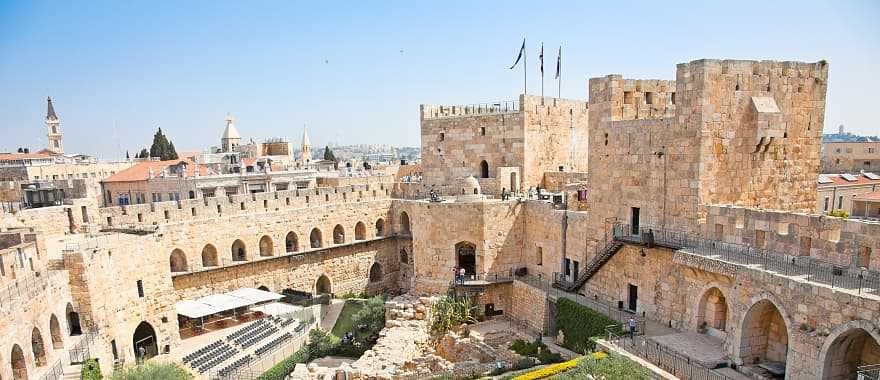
x,y
404,223
484,169
375,272
55,332
291,243
380,227
315,238
764,334
338,234
404,257
209,256
177,261
466,258
72,321
266,246
323,286
239,251
712,310
38,348
360,231
19,366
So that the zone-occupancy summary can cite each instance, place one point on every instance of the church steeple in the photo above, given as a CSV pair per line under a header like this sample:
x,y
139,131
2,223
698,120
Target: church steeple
x,y
306,148
53,130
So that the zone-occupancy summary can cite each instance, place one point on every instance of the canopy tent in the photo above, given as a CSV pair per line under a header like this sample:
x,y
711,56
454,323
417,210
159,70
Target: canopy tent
x,y
277,308
217,303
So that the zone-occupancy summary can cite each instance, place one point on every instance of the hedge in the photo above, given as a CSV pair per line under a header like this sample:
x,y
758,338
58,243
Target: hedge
x,y
548,371
91,370
579,324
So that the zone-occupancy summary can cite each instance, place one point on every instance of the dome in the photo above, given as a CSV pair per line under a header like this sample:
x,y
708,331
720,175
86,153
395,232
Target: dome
x,y
230,132
468,188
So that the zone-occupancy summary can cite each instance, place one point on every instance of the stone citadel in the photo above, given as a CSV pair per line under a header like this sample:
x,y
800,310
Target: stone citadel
x,y
684,203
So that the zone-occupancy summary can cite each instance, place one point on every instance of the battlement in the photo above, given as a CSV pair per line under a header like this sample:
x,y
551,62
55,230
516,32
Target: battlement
x,y
429,111
634,99
214,207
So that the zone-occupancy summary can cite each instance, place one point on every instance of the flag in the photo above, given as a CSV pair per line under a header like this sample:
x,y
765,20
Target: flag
x,y
541,58
521,51
559,63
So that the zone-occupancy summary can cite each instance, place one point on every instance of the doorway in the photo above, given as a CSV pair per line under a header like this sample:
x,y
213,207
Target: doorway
x,y
634,221
633,297
144,342
465,253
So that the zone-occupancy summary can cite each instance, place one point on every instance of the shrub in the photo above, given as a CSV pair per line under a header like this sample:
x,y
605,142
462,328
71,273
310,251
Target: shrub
x,y
580,323
548,371
152,371
839,214
452,311
280,370
91,370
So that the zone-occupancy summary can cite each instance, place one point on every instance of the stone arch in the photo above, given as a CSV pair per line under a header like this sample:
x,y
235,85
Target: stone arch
x,y
315,238
380,227
239,251
338,234
849,346
404,223
712,310
73,325
291,242
144,337
323,285
466,257
404,257
177,261
55,332
209,256
764,331
360,231
376,272
19,365
38,348
484,169
267,247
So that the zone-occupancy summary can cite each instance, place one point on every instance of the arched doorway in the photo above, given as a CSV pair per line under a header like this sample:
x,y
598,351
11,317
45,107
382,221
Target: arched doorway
x,y
323,286
404,257
209,256
55,332
466,257
338,234
144,342
404,223
375,272
360,231
239,251
38,348
380,227
764,335
291,243
177,261
266,246
315,238
484,169
72,321
19,366
856,344
712,311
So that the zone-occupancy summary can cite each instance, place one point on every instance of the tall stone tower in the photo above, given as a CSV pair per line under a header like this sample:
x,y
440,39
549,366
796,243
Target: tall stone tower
x,y
306,149
230,140
53,128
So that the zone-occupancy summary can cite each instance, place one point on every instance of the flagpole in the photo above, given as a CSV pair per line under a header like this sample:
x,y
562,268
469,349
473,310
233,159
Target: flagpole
x,y
559,84
542,70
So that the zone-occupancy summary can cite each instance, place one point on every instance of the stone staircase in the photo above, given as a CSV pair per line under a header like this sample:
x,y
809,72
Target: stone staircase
x,y
591,269
72,372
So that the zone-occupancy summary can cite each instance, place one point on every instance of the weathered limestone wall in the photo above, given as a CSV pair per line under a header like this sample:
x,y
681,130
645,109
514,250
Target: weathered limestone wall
x,y
845,242
556,134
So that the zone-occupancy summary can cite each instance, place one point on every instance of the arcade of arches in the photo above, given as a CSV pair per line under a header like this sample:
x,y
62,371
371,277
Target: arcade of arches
x,y
764,335
712,310
853,348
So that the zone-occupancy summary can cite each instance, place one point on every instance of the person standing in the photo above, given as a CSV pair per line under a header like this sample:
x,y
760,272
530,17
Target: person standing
x,y
631,323
461,273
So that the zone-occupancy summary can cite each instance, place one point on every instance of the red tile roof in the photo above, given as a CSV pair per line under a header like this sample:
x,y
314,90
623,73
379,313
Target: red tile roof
x,y
141,171
22,156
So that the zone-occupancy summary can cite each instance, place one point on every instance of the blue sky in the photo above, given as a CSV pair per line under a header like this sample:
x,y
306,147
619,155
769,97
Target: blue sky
x,y
355,72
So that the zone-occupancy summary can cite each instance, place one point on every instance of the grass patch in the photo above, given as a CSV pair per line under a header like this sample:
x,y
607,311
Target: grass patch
x,y
345,322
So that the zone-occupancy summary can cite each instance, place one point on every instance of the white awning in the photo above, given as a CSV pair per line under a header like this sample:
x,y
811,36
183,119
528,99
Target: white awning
x,y
278,308
193,309
224,301
255,295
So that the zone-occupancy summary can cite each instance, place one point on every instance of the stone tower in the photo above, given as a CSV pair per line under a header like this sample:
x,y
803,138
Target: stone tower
x,y
53,130
306,148
230,140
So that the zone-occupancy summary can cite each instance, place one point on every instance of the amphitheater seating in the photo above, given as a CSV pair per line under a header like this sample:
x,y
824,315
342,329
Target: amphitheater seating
x,y
235,365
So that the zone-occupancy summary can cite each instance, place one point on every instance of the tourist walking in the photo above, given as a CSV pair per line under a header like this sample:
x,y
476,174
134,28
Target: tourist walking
x,y
631,323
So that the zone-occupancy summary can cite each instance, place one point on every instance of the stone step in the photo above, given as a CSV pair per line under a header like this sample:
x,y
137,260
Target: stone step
x,y
72,372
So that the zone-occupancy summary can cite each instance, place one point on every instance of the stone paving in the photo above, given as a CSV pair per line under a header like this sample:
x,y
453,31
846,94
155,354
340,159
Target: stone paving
x,y
704,349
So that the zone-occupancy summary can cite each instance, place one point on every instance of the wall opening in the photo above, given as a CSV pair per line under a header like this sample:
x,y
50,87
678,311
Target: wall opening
x,y
177,261
291,243
380,227
73,326
19,366
315,238
404,223
55,332
466,257
267,248
484,169
209,256
712,311
38,348
239,250
852,349
323,286
144,342
338,234
360,231
375,272
764,336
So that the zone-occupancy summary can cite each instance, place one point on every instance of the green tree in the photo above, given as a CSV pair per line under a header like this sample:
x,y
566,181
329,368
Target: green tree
x,y
162,147
144,153
127,157
328,154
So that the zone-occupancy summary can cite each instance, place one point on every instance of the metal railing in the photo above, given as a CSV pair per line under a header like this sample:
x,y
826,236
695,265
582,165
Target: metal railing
x,y
812,269
591,301
474,109
661,356
80,352
23,288
868,372
55,372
